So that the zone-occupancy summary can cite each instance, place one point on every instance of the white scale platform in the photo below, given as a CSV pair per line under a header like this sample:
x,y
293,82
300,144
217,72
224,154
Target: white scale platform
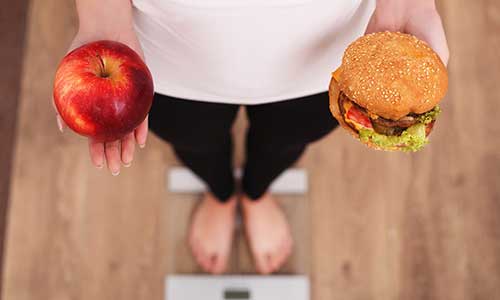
x,y
233,287
182,282
181,180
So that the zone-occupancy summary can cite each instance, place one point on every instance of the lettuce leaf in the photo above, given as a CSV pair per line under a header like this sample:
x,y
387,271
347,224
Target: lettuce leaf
x,y
411,140
429,116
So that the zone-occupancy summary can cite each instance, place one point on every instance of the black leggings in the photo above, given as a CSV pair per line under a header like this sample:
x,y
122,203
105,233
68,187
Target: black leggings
x,y
279,132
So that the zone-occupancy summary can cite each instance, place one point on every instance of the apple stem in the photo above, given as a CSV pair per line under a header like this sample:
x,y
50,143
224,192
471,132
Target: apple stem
x,y
103,68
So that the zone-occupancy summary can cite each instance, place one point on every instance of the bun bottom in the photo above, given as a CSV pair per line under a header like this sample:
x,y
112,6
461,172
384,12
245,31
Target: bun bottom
x,y
334,93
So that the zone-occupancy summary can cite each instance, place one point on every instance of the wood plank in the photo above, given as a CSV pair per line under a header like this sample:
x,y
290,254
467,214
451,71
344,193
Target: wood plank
x,y
474,169
12,32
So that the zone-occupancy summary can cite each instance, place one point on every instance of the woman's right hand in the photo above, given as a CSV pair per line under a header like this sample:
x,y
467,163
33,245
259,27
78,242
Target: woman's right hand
x,y
120,152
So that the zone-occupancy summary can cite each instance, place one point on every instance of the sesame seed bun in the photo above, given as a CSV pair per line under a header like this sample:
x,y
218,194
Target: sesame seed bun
x,y
392,74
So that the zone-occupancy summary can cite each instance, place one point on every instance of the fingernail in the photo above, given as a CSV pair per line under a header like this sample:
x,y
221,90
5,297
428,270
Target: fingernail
x,y
99,166
127,165
142,145
115,173
59,124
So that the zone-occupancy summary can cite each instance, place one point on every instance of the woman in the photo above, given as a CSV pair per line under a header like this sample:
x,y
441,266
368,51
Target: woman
x,y
207,58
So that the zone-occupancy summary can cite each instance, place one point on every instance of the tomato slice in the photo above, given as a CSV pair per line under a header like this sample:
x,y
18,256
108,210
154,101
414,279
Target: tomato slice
x,y
429,127
359,117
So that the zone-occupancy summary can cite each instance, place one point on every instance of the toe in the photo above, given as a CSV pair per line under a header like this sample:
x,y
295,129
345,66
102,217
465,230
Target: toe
x,y
275,262
209,264
195,249
289,247
219,264
282,255
277,259
286,251
200,255
263,263
204,262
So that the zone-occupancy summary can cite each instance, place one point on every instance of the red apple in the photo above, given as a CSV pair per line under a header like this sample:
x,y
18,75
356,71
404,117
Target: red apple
x,y
103,90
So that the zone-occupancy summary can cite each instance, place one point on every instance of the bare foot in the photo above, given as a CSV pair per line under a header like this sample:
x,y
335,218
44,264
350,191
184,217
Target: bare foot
x,y
268,233
211,233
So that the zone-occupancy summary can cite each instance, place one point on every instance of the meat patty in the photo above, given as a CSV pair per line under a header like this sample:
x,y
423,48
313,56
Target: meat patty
x,y
404,122
387,130
381,125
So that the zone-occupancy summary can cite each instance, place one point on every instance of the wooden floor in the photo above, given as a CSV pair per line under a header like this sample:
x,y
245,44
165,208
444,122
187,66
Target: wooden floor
x,y
12,30
380,226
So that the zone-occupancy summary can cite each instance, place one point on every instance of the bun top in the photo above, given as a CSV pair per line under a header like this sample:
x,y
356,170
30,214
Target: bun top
x,y
392,74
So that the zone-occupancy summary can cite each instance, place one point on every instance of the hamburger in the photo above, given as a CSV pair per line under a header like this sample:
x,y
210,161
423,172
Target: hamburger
x,y
387,90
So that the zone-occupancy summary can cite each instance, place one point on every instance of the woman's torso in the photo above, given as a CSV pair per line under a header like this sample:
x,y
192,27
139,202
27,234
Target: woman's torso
x,y
246,51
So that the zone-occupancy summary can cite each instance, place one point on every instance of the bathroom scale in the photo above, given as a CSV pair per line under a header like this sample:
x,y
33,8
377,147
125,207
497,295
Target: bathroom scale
x,y
233,287
186,281
182,180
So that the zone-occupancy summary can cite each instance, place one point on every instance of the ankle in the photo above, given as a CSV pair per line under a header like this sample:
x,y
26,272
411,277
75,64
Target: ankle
x,y
212,199
245,200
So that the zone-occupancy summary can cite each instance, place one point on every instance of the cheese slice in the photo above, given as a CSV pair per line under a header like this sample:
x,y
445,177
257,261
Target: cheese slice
x,y
336,74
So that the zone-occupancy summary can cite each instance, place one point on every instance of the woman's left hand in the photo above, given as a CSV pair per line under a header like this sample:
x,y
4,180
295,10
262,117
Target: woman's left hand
x,y
419,18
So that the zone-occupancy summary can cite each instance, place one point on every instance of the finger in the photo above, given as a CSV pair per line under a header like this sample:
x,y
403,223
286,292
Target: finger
x,y
382,20
141,133
112,152
96,151
371,28
54,106
60,123
431,31
437,40
128,148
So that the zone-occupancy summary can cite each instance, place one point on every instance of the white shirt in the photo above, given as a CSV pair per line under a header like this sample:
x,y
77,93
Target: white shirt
x,y
246,51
